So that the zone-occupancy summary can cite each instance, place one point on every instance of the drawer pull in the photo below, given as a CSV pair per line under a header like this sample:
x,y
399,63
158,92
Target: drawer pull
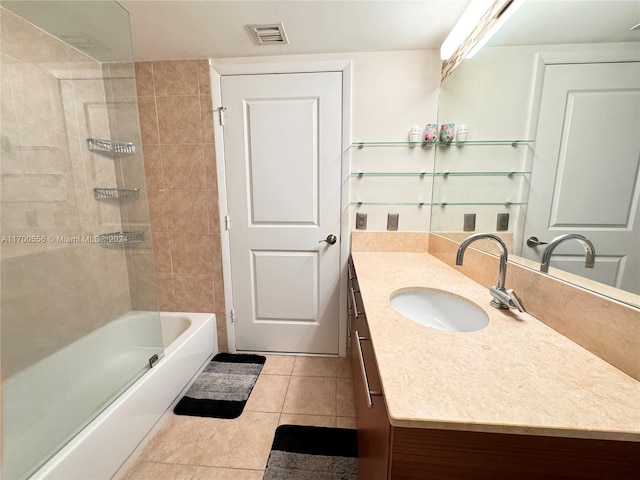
x,y
353,303
363,368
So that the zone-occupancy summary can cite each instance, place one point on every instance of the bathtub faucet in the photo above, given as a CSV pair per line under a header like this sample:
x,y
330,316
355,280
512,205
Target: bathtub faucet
x,y
590,250
502,298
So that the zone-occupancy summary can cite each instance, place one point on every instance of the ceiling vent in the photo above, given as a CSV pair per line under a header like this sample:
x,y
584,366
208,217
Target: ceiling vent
x,y
271,34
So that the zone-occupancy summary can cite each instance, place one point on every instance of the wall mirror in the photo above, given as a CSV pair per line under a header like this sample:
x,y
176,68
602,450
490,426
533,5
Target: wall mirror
x,y
552,109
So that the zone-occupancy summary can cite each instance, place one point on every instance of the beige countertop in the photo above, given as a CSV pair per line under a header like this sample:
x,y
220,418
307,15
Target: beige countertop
x,y
516,375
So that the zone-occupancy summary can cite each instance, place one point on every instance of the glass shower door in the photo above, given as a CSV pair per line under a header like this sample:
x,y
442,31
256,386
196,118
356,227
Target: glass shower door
x,y
79,308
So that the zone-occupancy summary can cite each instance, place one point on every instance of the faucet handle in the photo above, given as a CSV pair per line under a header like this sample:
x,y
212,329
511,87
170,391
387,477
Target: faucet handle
x,y
514,301
505,299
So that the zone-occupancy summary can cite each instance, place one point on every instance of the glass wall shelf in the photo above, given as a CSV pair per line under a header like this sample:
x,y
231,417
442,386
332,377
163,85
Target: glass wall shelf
x,y
481,174
513,143
391,174
440,204
438,174
408,204
454,204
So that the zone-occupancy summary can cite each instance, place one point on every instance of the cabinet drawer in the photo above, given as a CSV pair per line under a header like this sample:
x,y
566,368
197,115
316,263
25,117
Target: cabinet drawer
x,y
371,413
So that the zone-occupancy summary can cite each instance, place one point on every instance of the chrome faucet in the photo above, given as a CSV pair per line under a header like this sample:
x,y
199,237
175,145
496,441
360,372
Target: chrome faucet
x,y
502,298
590,256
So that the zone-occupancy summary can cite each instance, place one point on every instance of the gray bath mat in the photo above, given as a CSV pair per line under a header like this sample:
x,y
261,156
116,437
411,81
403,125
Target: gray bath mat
x,y
313,453
222,389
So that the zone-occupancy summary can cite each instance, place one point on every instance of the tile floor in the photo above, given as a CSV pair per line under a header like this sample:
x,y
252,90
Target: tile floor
x,y
293,390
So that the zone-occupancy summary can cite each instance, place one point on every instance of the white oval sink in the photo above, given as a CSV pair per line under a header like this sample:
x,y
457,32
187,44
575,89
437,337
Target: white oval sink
x,y
438,309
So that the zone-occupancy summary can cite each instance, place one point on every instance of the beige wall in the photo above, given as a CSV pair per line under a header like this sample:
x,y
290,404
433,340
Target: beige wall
x,y
177,134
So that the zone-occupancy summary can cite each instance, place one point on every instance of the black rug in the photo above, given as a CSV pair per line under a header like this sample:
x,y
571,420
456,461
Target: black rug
x,y
222,389
313,453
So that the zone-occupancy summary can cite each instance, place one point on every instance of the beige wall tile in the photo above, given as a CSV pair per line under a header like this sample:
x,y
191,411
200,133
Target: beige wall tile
x,y
204,77
191,253
162,252
157,214
221,322
186,211
213,211
194,293
206,111
166,292
181,176
176,77
144,79
153,166
183,166
148,120
210,166
179,119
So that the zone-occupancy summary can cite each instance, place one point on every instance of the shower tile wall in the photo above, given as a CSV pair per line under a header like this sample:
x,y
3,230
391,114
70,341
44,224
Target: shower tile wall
x,y
53,98
176,121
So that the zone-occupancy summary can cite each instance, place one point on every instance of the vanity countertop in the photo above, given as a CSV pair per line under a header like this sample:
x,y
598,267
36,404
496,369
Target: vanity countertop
x,y
516,375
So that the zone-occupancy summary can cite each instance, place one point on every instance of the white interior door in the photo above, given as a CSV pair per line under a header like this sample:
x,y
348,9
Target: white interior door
x,y
282,145
585,172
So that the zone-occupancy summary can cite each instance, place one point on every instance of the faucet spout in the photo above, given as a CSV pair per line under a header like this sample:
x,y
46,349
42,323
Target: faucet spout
x,y
502,298
590,250
504,254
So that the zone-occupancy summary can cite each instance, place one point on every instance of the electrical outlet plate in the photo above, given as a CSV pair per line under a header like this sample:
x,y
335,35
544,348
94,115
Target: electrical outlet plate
x,y
361,221
502,224
392,221
469,222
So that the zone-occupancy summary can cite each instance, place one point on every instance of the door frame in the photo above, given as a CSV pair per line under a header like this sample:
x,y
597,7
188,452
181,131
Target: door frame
x,y
218,69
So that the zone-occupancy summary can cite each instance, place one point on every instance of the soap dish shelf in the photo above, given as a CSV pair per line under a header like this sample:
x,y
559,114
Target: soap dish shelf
x,y
120,239
109,147
115,193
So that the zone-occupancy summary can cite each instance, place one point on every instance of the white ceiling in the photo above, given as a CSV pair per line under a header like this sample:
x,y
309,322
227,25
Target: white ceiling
x,y
164,30
552,22
178,29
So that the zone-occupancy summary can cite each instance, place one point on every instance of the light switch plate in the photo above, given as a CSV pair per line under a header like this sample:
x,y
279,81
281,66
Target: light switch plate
x,y
392,221
502,224
361,221
469,222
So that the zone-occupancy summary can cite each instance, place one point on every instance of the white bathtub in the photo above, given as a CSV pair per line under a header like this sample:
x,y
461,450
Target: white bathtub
x,y
102,446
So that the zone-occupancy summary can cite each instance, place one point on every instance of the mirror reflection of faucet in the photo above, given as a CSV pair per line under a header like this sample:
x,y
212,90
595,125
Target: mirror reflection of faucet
x,y
590,250
502,298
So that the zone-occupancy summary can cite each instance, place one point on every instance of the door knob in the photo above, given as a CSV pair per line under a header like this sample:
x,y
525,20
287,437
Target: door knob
x,y
331,239
534,242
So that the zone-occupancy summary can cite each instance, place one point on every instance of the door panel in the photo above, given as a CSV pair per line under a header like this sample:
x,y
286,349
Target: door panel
x,y
585,176
282,143
275,158
286,286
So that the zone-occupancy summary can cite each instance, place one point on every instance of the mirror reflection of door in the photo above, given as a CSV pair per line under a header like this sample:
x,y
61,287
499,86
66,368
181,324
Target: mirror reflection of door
x,y
585,171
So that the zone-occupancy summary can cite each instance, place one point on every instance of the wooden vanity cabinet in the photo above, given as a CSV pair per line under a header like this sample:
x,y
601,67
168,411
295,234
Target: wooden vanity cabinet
x,y
371,412
386,452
